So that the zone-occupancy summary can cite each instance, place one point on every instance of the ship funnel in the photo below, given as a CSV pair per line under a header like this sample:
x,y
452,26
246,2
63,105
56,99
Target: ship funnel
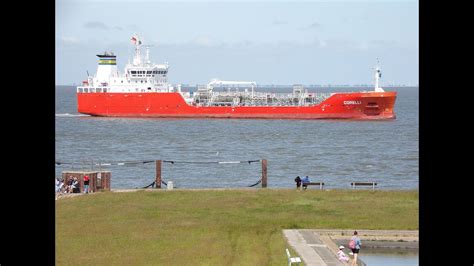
x,y
107,66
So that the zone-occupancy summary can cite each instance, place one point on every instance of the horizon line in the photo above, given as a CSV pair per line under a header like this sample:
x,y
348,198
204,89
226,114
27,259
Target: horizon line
x,y
292,84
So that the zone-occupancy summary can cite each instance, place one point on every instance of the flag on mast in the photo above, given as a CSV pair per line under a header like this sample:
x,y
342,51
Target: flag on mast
x,y
135,39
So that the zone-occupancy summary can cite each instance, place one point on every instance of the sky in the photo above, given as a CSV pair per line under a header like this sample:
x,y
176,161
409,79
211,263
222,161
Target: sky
x,y
269,42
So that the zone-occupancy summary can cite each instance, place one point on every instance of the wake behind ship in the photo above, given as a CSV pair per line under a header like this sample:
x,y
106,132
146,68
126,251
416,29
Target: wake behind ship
x,y
143,91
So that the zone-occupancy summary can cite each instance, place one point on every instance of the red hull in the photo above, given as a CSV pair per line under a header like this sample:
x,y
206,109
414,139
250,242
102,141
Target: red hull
x,y
354,105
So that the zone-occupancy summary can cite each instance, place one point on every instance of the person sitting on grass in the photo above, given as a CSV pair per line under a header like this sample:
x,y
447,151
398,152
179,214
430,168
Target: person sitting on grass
x,y
86,184
69,185
75,186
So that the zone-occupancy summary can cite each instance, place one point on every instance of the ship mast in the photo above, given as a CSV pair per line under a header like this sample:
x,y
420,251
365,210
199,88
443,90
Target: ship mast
x,y
137,42
378,75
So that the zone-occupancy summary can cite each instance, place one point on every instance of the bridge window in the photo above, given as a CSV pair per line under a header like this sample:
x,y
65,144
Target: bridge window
x,y
148,72
134,72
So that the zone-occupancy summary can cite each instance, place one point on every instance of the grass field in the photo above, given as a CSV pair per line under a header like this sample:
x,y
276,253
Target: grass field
x,y
214,227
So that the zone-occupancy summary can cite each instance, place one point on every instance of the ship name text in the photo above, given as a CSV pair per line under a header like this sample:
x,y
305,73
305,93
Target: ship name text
x,y
352,102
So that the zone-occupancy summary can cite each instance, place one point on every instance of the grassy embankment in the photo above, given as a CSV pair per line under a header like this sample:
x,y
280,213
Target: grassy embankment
x,y
215,227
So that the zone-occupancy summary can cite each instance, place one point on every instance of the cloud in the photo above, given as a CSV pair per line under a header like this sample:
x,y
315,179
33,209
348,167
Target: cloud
x,y
68,40
101,26
96,25
383,43
280,22
312,26
342,44
204,41
133,27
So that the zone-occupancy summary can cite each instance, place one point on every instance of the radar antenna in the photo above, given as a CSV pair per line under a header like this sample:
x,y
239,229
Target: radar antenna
x,y
147,53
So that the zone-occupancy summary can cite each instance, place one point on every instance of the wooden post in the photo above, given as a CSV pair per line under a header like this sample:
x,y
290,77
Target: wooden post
x,y
158,174
264,173
107,178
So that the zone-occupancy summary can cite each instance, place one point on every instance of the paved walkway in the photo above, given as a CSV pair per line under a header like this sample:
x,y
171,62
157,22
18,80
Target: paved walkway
x,y
311,248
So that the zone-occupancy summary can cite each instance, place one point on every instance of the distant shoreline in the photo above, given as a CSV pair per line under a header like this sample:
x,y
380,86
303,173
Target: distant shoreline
x,y
291,85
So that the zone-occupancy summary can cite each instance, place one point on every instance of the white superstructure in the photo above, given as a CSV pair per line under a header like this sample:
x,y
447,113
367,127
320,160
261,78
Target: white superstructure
x,y
378,75
141,75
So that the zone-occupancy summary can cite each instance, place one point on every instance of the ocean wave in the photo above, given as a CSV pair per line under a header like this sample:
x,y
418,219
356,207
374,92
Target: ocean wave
x,y
70,115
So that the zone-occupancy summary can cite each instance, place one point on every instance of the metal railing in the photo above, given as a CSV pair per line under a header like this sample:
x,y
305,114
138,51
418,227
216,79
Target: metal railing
x,y
244,98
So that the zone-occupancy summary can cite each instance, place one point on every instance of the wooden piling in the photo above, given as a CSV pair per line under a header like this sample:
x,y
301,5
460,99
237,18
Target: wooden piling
x,y
158,174
264,173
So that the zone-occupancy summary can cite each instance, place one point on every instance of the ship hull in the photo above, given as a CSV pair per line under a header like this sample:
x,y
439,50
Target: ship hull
x,y
354,105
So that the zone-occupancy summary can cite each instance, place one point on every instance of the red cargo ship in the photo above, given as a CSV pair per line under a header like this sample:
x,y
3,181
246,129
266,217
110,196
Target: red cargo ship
x,y
143,91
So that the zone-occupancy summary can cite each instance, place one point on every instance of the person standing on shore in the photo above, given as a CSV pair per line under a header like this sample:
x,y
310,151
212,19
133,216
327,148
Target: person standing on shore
x,y
58,187
298,182
86,184
354,245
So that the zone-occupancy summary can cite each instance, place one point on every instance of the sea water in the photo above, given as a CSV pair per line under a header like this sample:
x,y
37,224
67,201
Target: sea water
x,y
336,152
395,257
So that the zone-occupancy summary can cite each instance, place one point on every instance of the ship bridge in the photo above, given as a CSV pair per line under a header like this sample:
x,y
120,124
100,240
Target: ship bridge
x,y
140,75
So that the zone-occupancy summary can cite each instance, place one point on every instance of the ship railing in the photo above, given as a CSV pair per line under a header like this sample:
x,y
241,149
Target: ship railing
x,y
243,98
92,89
272,94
